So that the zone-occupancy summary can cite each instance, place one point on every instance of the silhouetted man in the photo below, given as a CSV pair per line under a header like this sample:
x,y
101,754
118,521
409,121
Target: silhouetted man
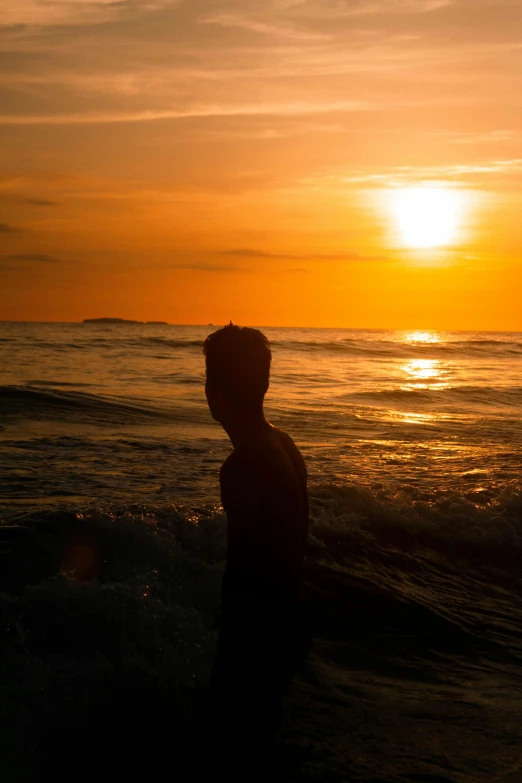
x,y
263,634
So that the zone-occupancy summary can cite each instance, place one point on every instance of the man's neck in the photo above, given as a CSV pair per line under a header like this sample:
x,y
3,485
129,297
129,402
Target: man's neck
x,y
241,429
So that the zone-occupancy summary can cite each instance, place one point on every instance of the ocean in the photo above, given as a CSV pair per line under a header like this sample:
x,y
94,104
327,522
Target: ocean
x,y
413,443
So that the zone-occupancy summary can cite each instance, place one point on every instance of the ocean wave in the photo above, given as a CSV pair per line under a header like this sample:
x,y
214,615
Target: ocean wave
x,y
351,525
171,343
488,395
96,606
477,526
395,348
51,383
114,343
480,341
435,574
101,605
355,346
165,561
50,403
139,342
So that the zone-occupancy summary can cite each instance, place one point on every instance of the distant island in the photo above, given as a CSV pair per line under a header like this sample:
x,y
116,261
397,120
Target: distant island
x,y
122,321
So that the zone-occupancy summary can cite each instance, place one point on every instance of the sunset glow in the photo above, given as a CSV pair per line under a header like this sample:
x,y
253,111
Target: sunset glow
x,y
426,216
260,365
288,163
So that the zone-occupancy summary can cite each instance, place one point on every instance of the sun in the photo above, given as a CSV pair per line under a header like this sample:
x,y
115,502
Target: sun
x,y
426,216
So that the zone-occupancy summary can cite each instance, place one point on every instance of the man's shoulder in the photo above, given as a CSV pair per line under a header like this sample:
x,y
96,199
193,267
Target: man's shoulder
x,y
242,461
292,450
230,465
241,466
286,440
241,484
262,457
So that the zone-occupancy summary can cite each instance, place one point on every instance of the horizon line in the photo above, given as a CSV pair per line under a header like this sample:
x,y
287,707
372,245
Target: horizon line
x,y
276,326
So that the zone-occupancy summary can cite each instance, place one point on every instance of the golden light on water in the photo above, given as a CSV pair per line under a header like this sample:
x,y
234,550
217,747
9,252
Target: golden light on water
x,y
425,374
422,337
426,216
422,369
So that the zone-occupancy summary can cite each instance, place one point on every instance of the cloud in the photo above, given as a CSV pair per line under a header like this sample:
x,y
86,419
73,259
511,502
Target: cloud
x,y
254,254
405,175
203,266
493,137
287,19
67,12
273,130
7,195
39,258
246,252
217,267
39,202
151,115
163,60
246,14
342,255
5,228
290,32
363,7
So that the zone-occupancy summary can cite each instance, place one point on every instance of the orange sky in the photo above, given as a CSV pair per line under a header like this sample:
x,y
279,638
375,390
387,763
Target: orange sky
x,y
202,160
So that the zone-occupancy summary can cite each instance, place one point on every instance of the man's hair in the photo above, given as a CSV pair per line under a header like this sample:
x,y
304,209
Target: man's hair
x,y
238,363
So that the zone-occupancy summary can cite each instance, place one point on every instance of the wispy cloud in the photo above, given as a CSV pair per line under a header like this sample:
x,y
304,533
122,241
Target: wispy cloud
x,y
9,194
403,175
363,7
5,228
203,266
147,54
245,14
282,30
256,16
282,109
246,252
76,12
342,255
38,258
493,137
39,202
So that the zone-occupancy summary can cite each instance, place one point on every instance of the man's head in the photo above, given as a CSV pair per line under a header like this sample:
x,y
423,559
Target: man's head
x,y
238,371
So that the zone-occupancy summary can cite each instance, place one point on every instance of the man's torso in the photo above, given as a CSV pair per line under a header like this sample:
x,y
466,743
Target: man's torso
x,y
263,491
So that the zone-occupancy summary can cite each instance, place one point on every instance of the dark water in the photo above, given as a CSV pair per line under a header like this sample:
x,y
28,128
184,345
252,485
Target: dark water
x,y
113,541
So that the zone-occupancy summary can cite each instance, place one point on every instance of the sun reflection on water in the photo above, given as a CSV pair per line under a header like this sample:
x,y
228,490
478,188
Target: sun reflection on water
x,y
425,374
416,418
422,337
